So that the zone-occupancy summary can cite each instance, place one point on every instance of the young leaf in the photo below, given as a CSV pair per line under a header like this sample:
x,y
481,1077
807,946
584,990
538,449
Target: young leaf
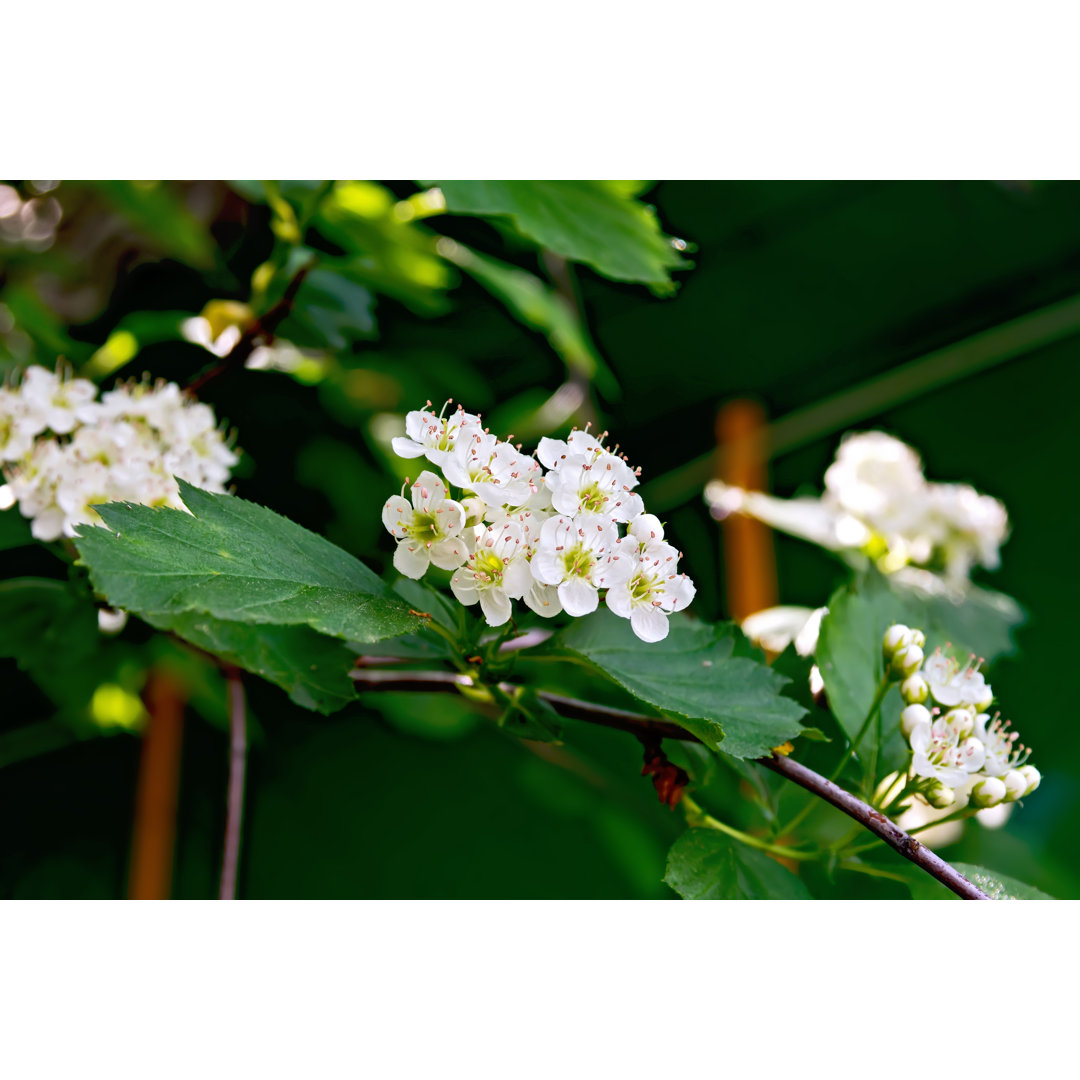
x,y
590,221
707,865
237,562
731,702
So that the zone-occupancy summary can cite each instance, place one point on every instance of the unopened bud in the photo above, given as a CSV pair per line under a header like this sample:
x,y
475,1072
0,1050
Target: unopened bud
x,y
895,638
1032,775
474,510
917,637
1015,785
961,720
988,792
915,689
939,796
912,717
907,660
986,699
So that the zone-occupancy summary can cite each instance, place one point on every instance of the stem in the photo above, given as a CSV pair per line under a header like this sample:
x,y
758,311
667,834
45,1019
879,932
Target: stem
x,y
237,765
696,816
636,724
810,807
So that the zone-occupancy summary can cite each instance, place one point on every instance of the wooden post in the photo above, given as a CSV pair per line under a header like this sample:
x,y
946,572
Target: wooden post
x,y
749,558
154,832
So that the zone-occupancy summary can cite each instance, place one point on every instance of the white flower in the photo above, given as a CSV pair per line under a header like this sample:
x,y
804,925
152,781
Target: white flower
x,y
579,556
775,628
915,689
597,483
434,437
496,573
497,472
907,660
939,753
973,527
111,620
912,717
952,686
200,331
1003,749
17,426
655,590
875,477
57,403
429,530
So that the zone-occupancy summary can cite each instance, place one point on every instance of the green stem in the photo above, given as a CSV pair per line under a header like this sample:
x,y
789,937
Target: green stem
x,y
696,816
871,871
875,705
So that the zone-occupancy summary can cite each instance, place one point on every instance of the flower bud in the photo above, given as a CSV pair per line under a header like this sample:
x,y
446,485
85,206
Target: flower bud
x,y
474,510
907,660
1015,785
916,637
988,792
895,638
985,699
961,720
939,796
912,717
1032,775
915,689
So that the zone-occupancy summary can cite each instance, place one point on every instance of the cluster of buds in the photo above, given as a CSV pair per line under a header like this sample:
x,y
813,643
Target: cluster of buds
x,y
63,450
555,531
960,752
878,501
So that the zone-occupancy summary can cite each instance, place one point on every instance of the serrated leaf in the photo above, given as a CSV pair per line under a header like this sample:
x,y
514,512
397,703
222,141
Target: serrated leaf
x,y
1000,886
238,562
311,668
591,221
731,702
705,864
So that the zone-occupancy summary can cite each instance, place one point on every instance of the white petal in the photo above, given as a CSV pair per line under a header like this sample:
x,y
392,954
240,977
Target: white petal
x,y
495,605
578,597
649,623
547,567
406,448
544,600
619,601
428,491
517,578
448,554
463,586
396,514
411,559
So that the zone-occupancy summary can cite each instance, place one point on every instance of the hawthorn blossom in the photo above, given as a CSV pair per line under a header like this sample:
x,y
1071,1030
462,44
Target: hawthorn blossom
x,y
580,556
598,483
950,685
428,530
17,426
496,472
653,591
1003,748
57,403
495,573
434,437
939,753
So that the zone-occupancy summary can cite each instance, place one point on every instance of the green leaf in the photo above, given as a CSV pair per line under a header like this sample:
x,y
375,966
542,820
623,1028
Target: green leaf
x,y
538,306
329,311
311,668
596,222
237,562
699,675
50,631
705,864
999,886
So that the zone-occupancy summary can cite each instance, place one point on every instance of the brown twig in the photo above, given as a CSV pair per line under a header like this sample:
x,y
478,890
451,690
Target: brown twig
x,y
636,724
260,332
234,814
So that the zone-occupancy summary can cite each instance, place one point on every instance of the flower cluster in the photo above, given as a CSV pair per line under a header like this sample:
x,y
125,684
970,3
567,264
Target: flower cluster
x,y
555,530
960,750
63,450
878,501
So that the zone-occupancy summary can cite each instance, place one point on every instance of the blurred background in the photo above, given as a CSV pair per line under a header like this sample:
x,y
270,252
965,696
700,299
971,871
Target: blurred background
x,y
799,297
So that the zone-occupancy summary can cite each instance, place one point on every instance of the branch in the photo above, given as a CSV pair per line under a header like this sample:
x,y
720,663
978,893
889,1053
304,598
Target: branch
x,y
260,332
237,763
636,724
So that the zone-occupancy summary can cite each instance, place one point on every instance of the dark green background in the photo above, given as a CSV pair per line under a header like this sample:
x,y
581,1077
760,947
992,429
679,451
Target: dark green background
x,y
800,290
